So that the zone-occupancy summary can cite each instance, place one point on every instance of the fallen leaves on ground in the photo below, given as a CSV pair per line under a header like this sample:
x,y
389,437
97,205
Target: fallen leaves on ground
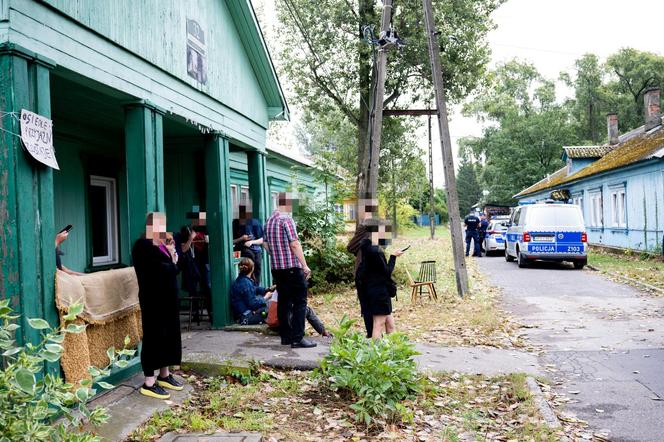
x,y
294,406
634,267
449,320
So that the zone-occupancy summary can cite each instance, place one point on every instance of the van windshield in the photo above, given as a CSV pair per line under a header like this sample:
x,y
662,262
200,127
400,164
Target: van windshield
x,y
564,216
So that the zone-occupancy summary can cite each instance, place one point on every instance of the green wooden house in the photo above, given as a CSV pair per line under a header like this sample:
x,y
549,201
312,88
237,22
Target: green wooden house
x,y
157,105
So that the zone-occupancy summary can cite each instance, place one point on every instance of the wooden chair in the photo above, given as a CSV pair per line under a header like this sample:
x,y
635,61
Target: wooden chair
x,y
418,287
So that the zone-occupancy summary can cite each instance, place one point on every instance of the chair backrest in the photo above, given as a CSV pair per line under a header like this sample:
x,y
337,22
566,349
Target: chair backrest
x,y
427,271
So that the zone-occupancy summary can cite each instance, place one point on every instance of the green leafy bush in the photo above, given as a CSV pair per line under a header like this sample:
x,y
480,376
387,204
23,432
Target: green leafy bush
x,y
31,399
378,375
318,225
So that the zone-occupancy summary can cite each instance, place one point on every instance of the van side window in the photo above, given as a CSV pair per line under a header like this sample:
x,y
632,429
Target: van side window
x,y
517,217
513,217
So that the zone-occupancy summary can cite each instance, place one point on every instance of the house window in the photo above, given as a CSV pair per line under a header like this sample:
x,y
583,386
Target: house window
x,y
234,202
577,199
244,197
339,209
275,200
596,209
618,207
103,220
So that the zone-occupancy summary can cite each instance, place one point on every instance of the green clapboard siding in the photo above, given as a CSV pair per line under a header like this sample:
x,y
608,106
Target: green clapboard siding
x,y
156,31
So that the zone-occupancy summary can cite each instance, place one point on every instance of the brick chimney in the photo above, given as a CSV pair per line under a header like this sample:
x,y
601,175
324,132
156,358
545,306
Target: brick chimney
x,y
652,110
612,128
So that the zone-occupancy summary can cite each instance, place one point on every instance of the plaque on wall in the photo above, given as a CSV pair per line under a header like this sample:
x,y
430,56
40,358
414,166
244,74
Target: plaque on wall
x,y
196,52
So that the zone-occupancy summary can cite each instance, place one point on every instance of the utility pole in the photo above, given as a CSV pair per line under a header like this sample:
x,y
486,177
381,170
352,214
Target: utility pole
x,y
446,147
432,212
376,116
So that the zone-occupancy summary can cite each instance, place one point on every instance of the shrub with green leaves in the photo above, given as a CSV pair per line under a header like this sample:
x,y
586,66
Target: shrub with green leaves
x,y
318,226
31,399
378,375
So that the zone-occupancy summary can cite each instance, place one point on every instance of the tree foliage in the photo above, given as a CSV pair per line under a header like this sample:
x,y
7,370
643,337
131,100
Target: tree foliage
x,y
528,127
468,187
325,53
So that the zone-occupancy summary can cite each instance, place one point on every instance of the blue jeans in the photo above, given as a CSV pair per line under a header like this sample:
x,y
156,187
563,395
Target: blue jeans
x,y
475,236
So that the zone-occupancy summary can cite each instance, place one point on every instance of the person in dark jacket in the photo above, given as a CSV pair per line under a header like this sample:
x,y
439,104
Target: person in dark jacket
x,y
155,262
248,300
375,277
367,208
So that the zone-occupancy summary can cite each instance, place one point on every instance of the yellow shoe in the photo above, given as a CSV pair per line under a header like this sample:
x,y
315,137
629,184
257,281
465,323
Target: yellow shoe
x,y
155,391
169,382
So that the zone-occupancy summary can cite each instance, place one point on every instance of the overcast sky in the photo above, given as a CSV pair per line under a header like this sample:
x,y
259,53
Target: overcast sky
x,y
553,34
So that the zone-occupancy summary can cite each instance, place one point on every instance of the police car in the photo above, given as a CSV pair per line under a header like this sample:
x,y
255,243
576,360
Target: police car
x,y
548,232
495,235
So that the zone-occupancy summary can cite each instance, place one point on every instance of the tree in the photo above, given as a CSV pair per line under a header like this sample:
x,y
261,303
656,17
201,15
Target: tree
x,y
528,129
589,106
468,187
634,72
326,54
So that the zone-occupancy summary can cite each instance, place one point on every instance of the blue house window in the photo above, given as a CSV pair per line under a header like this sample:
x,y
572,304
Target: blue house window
x,y
596,209
618,217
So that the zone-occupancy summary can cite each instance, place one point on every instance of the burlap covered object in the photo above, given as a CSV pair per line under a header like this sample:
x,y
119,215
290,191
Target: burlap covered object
x,y
111,312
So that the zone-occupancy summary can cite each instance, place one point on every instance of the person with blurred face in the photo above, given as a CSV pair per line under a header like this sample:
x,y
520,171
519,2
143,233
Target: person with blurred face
x,y
248,239
367,209
155,262
289,272
375,276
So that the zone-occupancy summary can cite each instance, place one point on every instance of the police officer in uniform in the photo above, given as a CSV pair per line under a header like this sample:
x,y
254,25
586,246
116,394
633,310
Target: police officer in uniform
x,y
472,223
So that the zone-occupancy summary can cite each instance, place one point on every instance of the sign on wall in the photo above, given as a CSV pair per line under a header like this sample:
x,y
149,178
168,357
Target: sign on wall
x,y
196,58
37,137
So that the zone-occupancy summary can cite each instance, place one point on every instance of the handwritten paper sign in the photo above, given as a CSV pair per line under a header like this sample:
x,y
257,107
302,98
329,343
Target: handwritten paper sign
x,y
37,137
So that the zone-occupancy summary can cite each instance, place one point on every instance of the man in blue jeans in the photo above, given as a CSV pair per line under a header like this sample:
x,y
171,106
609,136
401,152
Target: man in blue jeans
x,y
289,273
472,223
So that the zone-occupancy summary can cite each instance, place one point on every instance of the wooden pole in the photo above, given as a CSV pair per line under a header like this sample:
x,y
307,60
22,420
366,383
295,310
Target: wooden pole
x,y
446,147
432,212
376,116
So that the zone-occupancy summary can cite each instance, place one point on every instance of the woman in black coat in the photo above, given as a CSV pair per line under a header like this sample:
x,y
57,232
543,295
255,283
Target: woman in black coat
x,y
374,278
155,263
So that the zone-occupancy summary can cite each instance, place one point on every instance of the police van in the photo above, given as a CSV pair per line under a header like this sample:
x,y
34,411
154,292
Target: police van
x,y
548,232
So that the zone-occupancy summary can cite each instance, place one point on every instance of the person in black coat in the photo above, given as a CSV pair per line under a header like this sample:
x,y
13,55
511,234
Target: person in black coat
x,y
155,262
374,277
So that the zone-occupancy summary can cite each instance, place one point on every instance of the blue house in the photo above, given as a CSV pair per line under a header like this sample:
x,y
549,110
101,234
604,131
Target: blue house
x,y
619,185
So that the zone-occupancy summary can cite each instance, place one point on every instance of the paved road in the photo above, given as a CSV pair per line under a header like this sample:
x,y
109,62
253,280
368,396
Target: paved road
x,y
606,341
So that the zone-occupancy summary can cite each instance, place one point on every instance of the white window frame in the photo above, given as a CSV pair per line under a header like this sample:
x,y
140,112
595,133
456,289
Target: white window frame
x,y
234,202
618,200
596,208
275,200
577,199
245,197
110,186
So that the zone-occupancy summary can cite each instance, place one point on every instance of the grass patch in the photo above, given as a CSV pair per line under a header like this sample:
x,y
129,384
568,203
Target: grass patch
x,y
294,406
644,268
450,320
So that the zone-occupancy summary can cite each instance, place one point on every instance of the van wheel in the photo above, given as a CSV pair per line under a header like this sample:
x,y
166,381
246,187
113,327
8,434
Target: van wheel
x,y
579,265
521,261
508,257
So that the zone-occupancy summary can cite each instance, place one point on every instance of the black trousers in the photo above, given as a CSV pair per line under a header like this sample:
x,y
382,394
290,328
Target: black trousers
x,y
365,309
292,288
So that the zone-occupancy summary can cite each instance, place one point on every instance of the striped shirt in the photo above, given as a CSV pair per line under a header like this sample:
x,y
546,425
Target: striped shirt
x,y
279,232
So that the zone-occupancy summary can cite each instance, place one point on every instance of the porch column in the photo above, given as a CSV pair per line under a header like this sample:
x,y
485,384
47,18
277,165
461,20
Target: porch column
x,y
144,144
219,219
27,232
260,197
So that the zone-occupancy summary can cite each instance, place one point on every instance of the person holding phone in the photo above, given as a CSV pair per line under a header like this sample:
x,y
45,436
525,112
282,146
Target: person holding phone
x,y
59,239
375,276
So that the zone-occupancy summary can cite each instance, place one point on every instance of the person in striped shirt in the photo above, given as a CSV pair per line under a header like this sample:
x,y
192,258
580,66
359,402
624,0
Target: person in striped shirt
x,y
289,272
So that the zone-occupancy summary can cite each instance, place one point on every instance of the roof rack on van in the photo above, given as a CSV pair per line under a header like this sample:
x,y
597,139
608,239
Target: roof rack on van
x,y
525,203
